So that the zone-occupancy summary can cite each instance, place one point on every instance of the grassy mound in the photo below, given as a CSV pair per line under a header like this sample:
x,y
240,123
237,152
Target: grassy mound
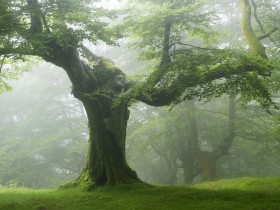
x,y
243,193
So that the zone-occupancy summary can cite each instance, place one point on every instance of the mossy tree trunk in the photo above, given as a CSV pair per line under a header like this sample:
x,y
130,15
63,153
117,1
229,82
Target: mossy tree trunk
x,y
106,161
97,87
250,36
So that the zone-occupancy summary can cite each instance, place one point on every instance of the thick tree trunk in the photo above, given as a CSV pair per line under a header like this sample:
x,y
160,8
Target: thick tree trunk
x,y
106,161
97,87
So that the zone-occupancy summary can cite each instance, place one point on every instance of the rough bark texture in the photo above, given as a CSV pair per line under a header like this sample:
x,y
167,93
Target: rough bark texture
x,y
106,162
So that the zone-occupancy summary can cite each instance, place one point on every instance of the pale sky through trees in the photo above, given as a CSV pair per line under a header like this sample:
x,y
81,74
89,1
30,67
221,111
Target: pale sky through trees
x,y
111,4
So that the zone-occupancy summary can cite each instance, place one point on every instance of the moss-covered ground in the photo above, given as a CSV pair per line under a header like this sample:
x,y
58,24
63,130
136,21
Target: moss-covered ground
x,y
242,193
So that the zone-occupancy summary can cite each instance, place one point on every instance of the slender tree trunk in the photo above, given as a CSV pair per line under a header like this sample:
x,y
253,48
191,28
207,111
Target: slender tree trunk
x,y
188,167
189,156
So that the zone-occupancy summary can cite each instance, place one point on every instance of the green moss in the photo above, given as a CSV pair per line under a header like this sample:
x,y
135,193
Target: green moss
x,y
243,193
106,69
83,183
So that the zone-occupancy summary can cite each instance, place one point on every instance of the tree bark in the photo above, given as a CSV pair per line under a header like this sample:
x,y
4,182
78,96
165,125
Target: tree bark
x,y
252,40
97,87
190,154
106,161
188,167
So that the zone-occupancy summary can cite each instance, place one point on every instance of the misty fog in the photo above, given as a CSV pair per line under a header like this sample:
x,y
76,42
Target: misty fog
x,y
44,136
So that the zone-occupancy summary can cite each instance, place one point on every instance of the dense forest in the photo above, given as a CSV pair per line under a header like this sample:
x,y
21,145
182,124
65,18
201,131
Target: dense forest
x,y
98,94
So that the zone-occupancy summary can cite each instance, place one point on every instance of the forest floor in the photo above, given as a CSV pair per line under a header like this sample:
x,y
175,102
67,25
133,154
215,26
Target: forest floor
x,y
243,193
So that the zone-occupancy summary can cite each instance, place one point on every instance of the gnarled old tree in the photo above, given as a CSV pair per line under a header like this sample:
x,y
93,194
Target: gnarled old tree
x,y
55,31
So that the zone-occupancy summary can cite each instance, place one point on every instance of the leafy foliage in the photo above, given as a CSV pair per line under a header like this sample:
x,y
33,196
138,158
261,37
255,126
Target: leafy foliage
x,y
68,21
145,25
11,70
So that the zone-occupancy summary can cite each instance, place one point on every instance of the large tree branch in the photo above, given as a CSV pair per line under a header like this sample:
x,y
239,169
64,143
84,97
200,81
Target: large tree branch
x,y
193,46
267,34
160,96
68,58
89,55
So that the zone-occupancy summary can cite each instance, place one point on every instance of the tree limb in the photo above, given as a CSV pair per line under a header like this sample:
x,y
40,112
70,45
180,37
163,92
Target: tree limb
x,y
160,96
254,5
196,47
267,34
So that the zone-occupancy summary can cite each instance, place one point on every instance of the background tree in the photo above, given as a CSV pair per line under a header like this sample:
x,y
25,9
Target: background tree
x,y
158,138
